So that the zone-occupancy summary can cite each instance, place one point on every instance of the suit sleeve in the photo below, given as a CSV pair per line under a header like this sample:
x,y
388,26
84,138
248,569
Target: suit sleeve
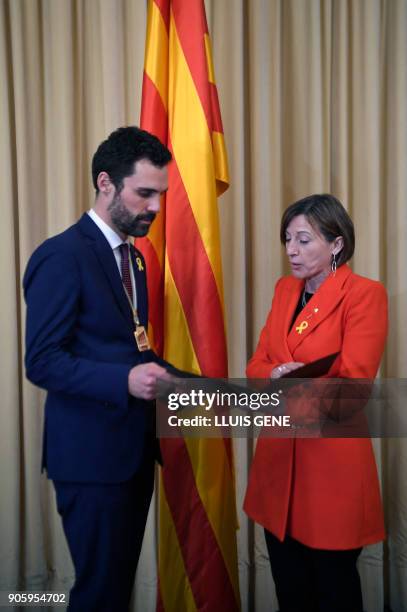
x,y
52,292
262,364
365,331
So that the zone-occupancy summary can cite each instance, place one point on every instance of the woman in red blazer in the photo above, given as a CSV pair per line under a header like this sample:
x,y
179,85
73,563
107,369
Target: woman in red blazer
x,y
318,499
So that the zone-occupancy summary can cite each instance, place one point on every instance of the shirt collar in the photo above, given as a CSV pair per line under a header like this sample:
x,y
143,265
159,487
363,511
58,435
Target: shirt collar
x,y
113,239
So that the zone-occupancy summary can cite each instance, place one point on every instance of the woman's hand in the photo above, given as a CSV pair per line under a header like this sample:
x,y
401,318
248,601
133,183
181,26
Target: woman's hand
x,y
284,368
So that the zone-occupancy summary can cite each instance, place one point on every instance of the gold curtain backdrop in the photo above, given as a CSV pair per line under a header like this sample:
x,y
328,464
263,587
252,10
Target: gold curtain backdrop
x,y
313,96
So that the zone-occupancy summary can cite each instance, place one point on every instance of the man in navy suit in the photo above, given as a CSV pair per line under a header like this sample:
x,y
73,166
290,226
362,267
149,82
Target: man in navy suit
x,y
86,297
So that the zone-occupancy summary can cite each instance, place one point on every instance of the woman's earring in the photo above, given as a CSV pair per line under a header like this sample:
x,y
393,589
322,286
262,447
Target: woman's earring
x,y
333,264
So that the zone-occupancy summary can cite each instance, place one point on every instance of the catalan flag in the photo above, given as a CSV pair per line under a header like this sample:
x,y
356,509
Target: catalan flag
x,y
197,550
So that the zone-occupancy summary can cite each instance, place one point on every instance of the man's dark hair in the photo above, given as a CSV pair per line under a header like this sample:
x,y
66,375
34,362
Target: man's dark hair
x,y
118,153
326,215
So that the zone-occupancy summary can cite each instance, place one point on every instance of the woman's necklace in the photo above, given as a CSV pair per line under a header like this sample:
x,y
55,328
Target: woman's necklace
x,y
304,299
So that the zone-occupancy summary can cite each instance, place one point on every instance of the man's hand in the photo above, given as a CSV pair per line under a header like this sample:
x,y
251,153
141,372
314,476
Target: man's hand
x,y
143,379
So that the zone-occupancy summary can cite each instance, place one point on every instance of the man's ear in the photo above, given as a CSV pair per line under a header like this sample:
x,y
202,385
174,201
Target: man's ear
x,y
104,183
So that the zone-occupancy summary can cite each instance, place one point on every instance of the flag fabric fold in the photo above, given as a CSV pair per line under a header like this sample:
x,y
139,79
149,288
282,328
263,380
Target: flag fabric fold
x,y
197,548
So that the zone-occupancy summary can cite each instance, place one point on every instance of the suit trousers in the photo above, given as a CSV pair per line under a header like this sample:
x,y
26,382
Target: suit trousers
x,y
314,580
104,527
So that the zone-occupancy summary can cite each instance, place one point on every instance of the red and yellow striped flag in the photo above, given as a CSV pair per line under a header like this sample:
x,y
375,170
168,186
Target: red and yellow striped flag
x,y
197,551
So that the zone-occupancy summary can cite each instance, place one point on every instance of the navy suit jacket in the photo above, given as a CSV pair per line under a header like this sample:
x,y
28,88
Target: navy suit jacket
x,y
80,347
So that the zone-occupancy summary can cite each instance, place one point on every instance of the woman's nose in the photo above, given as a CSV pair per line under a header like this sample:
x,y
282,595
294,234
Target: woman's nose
x,y
291,248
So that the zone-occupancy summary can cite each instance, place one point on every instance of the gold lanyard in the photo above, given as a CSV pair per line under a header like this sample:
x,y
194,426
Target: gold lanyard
x,y
133,310
140,334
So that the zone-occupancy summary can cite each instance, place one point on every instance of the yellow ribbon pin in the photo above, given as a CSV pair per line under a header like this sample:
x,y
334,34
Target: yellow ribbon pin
x,y
303,325
139,264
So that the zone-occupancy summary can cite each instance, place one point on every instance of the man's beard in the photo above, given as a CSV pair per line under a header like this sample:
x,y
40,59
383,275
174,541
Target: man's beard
x,y
125,222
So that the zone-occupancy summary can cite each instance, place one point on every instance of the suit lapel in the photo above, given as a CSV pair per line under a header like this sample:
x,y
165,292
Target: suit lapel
x,y
290,303
106,259
320,306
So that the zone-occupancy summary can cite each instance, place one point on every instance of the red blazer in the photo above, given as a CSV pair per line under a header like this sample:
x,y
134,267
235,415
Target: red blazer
x,y
322,492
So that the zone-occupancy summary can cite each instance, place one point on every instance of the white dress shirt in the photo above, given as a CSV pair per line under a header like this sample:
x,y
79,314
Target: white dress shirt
x,y
115,241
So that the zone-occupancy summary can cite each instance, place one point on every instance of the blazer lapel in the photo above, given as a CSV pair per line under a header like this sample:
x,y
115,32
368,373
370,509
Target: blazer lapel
x,y
290,303
106,259
322,303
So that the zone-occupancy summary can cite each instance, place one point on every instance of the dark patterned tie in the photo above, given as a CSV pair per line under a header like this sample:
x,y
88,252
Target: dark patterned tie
x,y
125,269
